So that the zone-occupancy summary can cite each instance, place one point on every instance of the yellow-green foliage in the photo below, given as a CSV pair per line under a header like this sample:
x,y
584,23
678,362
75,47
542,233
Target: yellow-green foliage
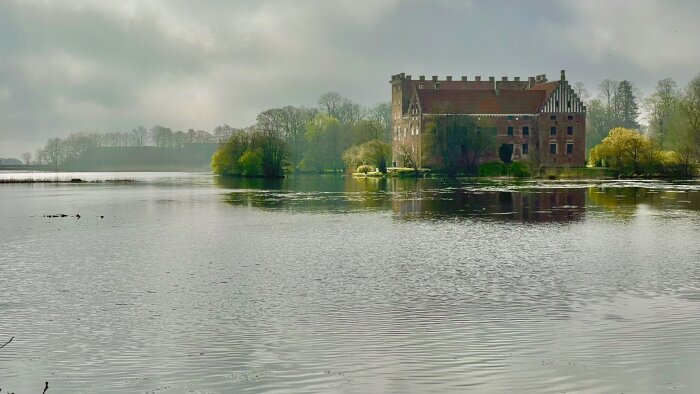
x,y
363,169
630,152
221,161
375,153
251,163
225,160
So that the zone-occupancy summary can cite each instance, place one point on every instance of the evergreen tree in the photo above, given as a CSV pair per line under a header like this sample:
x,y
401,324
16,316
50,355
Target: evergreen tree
x,y
626,107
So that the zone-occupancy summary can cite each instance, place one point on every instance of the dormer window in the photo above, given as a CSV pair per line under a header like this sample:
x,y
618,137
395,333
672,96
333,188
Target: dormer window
x,y
437,85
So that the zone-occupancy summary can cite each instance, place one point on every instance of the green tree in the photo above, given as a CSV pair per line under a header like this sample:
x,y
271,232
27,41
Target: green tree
x,y
225,160
626,107
457,143
660,106
251,163
367,130
273,153
691,107
623,150
324,144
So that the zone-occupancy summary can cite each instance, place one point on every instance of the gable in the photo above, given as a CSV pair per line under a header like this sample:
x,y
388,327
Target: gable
x,y
563,99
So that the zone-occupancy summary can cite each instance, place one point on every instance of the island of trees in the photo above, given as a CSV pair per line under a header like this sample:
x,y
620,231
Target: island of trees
x,y
338,135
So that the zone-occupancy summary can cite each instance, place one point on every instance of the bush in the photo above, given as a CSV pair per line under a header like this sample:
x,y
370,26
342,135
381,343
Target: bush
x,y
365,168
516,169
519,170
251,163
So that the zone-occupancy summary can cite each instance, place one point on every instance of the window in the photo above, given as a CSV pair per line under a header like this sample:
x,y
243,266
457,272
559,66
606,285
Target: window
x,y
511,117
526,130
510,130
569,148
553,130
552,149
556,103
570,130
568,104
526,149
570,117
421,85
553,117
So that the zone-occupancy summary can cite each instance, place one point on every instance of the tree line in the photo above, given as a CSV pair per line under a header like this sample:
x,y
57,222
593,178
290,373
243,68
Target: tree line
x,y
336,135
669,144
57,151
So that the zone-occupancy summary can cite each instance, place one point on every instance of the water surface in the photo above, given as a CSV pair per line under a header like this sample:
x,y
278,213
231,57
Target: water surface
x,y
187,283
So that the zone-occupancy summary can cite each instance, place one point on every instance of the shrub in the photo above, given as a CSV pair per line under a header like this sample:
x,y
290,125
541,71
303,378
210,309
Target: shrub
x,y
365,168
251,163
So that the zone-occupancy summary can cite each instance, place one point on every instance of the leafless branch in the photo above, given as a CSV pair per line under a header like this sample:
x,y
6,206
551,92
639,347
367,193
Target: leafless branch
x,y
6,343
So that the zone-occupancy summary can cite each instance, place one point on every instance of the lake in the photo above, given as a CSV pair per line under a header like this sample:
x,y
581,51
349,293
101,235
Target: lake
x,y
186,283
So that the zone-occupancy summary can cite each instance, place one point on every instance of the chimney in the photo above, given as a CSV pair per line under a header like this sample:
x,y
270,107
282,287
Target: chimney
x,y
563,75
449,77
477,78
422,77
464,78
516,79
434,78
530,82
504,79
408,77
492,79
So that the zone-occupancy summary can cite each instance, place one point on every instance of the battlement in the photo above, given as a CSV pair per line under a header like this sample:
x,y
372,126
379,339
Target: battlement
x,y
537,79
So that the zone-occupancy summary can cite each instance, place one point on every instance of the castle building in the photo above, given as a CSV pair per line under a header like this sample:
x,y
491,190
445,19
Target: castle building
x,y
543,121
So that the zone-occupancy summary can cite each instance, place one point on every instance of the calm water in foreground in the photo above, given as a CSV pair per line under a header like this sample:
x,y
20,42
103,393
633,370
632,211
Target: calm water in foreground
x,y
189,284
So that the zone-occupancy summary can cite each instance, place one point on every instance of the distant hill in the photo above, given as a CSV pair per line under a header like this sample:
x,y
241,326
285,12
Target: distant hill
x,y
191,157
10,162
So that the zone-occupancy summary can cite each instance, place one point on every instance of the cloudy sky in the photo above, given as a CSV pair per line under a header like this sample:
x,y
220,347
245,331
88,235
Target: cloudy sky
x,y
72,65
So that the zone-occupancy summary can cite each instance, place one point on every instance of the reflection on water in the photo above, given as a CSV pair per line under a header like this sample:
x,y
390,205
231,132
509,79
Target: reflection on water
x,y
444,199
186,283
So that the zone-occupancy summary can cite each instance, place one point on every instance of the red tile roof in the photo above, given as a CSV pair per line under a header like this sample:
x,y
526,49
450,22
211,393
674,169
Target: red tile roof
x,y
482,101
549,87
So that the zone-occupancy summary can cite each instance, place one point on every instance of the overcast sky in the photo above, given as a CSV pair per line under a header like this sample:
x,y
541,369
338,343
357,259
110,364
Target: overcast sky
x,y
113,65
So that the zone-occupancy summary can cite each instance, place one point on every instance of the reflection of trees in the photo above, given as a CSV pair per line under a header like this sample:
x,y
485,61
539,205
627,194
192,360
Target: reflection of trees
x,y
412,198
331,194
623,201
406,198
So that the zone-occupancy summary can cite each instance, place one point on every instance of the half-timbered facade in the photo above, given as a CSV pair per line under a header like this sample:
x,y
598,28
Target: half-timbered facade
x,y
544,121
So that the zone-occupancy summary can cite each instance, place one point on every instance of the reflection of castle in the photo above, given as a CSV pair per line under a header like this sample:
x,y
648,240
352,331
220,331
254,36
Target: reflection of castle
x,y
540,120
538,205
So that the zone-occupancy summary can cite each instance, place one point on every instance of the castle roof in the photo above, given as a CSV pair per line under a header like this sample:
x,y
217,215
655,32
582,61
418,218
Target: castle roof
x,y
468,101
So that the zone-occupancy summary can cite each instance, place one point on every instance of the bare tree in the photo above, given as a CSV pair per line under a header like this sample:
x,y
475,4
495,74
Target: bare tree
x,y
329,102
139,135
660,106
27,157
581,91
